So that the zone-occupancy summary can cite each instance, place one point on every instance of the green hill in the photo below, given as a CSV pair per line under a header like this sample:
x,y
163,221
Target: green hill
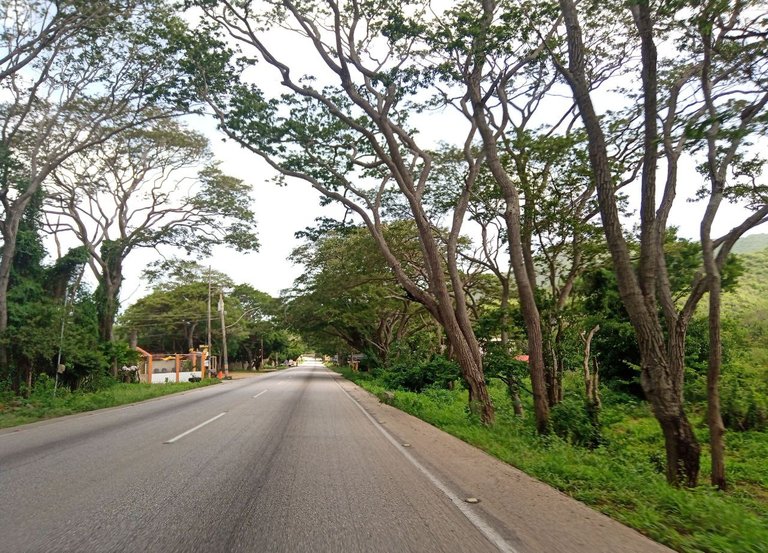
x,y
749,302
750,244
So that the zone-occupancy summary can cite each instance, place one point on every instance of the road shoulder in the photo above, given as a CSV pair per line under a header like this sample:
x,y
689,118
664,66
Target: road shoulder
x,y
528,513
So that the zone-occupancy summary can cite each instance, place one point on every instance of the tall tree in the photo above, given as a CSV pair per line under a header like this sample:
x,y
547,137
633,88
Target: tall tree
x,y
349,292
173,316
351,141
672,110
492,71
257,323
146,188
74,74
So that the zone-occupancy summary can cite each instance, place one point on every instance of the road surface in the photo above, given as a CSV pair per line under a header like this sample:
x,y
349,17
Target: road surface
x,y
293,461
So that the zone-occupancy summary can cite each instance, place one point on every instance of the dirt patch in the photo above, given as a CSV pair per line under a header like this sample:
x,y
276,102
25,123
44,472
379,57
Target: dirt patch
x,y
237,375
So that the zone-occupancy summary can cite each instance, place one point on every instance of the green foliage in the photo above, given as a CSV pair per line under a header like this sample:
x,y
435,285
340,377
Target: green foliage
x,y
348,298
83,353
744,395
570,420
36,311
498,363
42,404
615,344
174,315
404,374
753,243
748,303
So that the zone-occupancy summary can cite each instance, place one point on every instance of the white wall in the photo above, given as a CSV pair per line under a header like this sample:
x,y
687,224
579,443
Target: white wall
x,y
159,378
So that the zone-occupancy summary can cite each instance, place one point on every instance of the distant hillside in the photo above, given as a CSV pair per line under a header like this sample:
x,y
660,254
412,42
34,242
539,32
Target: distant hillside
x,y
751,243
749,302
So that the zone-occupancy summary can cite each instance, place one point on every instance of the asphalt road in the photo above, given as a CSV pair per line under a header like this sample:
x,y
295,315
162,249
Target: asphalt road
x,y
283,462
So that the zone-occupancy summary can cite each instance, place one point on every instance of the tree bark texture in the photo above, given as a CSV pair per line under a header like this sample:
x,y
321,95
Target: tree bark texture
x,y
661,363
512,218
714,415
10,229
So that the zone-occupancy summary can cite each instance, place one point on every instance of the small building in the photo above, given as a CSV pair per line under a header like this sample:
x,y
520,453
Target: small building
x,y
160,368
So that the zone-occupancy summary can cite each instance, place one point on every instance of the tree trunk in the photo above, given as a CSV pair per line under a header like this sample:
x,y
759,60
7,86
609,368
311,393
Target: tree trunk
x,y
661,370
714,416
107,313
530,311
109,288
110,282
590,380
525,281
514,394
552,374
525,289
466,351
591,385
10,228
682,450
662,380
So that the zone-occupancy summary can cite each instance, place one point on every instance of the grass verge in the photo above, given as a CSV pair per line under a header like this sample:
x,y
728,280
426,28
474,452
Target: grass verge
x,y
623,477
42,405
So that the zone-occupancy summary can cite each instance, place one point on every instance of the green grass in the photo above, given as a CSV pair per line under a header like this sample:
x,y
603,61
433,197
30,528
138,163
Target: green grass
x,y
42,405
622,478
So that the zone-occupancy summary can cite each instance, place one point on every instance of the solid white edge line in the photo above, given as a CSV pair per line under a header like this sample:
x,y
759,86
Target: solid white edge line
x,y
198,427
257,395
476,520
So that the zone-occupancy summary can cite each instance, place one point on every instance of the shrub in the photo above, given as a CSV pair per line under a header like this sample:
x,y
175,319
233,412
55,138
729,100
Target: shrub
x,y
95,381
571,422
743,407
411,376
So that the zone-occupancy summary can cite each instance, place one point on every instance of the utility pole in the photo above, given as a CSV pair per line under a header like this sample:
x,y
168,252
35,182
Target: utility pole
x,y
224,359
69,298
59,366
208,328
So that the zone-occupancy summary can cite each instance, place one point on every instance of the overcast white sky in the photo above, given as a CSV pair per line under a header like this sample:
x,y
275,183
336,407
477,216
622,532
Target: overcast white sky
x,y
280,213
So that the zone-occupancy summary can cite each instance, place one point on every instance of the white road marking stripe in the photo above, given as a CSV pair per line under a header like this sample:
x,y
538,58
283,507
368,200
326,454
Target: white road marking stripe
x,y
476,520
257,395
198,427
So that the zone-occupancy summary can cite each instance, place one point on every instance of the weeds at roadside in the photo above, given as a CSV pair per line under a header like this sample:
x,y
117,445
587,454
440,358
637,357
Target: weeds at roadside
x,y
42,404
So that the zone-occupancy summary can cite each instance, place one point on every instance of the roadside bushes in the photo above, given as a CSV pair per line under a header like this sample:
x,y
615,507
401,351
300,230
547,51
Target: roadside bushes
x,y
744,402
413,376
570,420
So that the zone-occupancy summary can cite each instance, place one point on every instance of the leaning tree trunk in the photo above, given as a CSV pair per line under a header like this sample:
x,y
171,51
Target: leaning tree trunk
x,y
472,372
466,351
523,277
530,311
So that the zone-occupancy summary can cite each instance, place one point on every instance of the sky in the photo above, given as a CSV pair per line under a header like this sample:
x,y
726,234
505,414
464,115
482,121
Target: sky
x,y
280,212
